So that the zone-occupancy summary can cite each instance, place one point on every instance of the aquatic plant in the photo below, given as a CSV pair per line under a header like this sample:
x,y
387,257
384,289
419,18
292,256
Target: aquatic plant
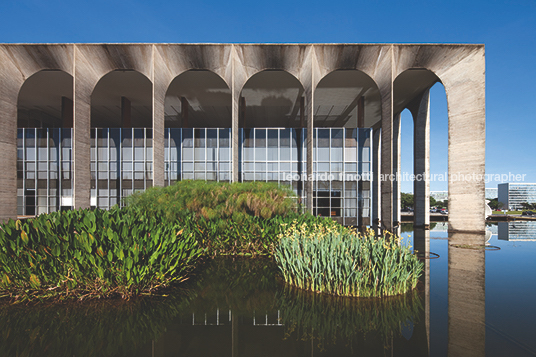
x,y
99,253
343,262
243,218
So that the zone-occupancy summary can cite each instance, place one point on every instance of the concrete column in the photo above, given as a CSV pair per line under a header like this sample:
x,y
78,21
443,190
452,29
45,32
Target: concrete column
x,y
421,160
8,146
184,113
466,295
396,171
376,183
387,160
302,112
361,112
126,113
159,96
467,147
235,144
309,104
67,112
81,182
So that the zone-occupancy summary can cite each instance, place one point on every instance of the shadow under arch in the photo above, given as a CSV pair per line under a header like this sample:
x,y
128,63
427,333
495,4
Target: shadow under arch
x,y
45,100
272,98
122,98
198,98
340,96
44,122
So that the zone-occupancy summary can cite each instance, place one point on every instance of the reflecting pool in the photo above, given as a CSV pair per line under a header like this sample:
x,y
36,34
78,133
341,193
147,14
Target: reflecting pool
x,y
476,298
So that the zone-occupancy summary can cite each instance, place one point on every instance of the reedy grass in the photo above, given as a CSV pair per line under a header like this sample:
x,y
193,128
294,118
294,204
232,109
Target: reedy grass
x,y
343,262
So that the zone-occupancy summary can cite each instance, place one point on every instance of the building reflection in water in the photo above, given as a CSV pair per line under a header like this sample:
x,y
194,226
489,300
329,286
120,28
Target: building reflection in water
x,y
517,231
239,308
467,295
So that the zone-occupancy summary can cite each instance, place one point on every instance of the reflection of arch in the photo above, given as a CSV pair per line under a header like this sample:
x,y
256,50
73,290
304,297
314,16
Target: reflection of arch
x,y
122,98
341,97
272,98
198,98
46,100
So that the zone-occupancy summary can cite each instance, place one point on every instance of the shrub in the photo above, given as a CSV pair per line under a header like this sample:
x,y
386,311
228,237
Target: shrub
x,y
342,262
97,253
226,218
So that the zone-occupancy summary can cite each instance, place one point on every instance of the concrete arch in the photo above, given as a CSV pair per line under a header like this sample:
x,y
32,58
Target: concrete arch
x,y
273,97
46,97
461,70
349,89
122,98
171,61
201,87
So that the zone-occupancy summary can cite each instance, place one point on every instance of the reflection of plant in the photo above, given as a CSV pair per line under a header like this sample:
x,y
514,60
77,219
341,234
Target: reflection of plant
x,y
326,317
242,284
343,262
109,328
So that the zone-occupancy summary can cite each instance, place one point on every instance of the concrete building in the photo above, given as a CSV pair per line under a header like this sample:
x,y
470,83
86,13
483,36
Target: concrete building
x,y
439,195
513,195
86,124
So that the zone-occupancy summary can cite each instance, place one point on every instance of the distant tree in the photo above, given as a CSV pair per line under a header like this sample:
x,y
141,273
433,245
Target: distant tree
x,y
494,204
433,201
528,206
406,200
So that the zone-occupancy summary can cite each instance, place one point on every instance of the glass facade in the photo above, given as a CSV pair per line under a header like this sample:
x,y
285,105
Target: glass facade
x,y
274,155
197,154
342,164
44,170
121,163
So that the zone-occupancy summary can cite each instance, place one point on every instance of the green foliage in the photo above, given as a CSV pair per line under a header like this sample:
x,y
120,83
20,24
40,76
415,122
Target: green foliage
x,y
212,200
99,253
406,200
226,218
347,264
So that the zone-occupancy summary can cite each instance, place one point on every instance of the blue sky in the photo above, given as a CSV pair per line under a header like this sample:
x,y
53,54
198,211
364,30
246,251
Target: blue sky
x,y
507,28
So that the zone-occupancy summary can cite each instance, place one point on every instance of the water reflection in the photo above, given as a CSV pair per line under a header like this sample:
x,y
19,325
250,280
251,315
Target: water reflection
x,y
517,231
239,307
233,308
466,295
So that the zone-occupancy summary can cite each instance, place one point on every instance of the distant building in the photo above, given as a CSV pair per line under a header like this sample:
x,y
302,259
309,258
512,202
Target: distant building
x,y
440,195
491,193
513,195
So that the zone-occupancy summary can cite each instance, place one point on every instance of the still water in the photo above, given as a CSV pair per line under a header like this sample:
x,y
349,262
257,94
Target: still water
x,y
470,302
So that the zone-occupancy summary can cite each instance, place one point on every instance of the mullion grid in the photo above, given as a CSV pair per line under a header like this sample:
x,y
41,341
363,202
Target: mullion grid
x,y
45,201
250,162
215,174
